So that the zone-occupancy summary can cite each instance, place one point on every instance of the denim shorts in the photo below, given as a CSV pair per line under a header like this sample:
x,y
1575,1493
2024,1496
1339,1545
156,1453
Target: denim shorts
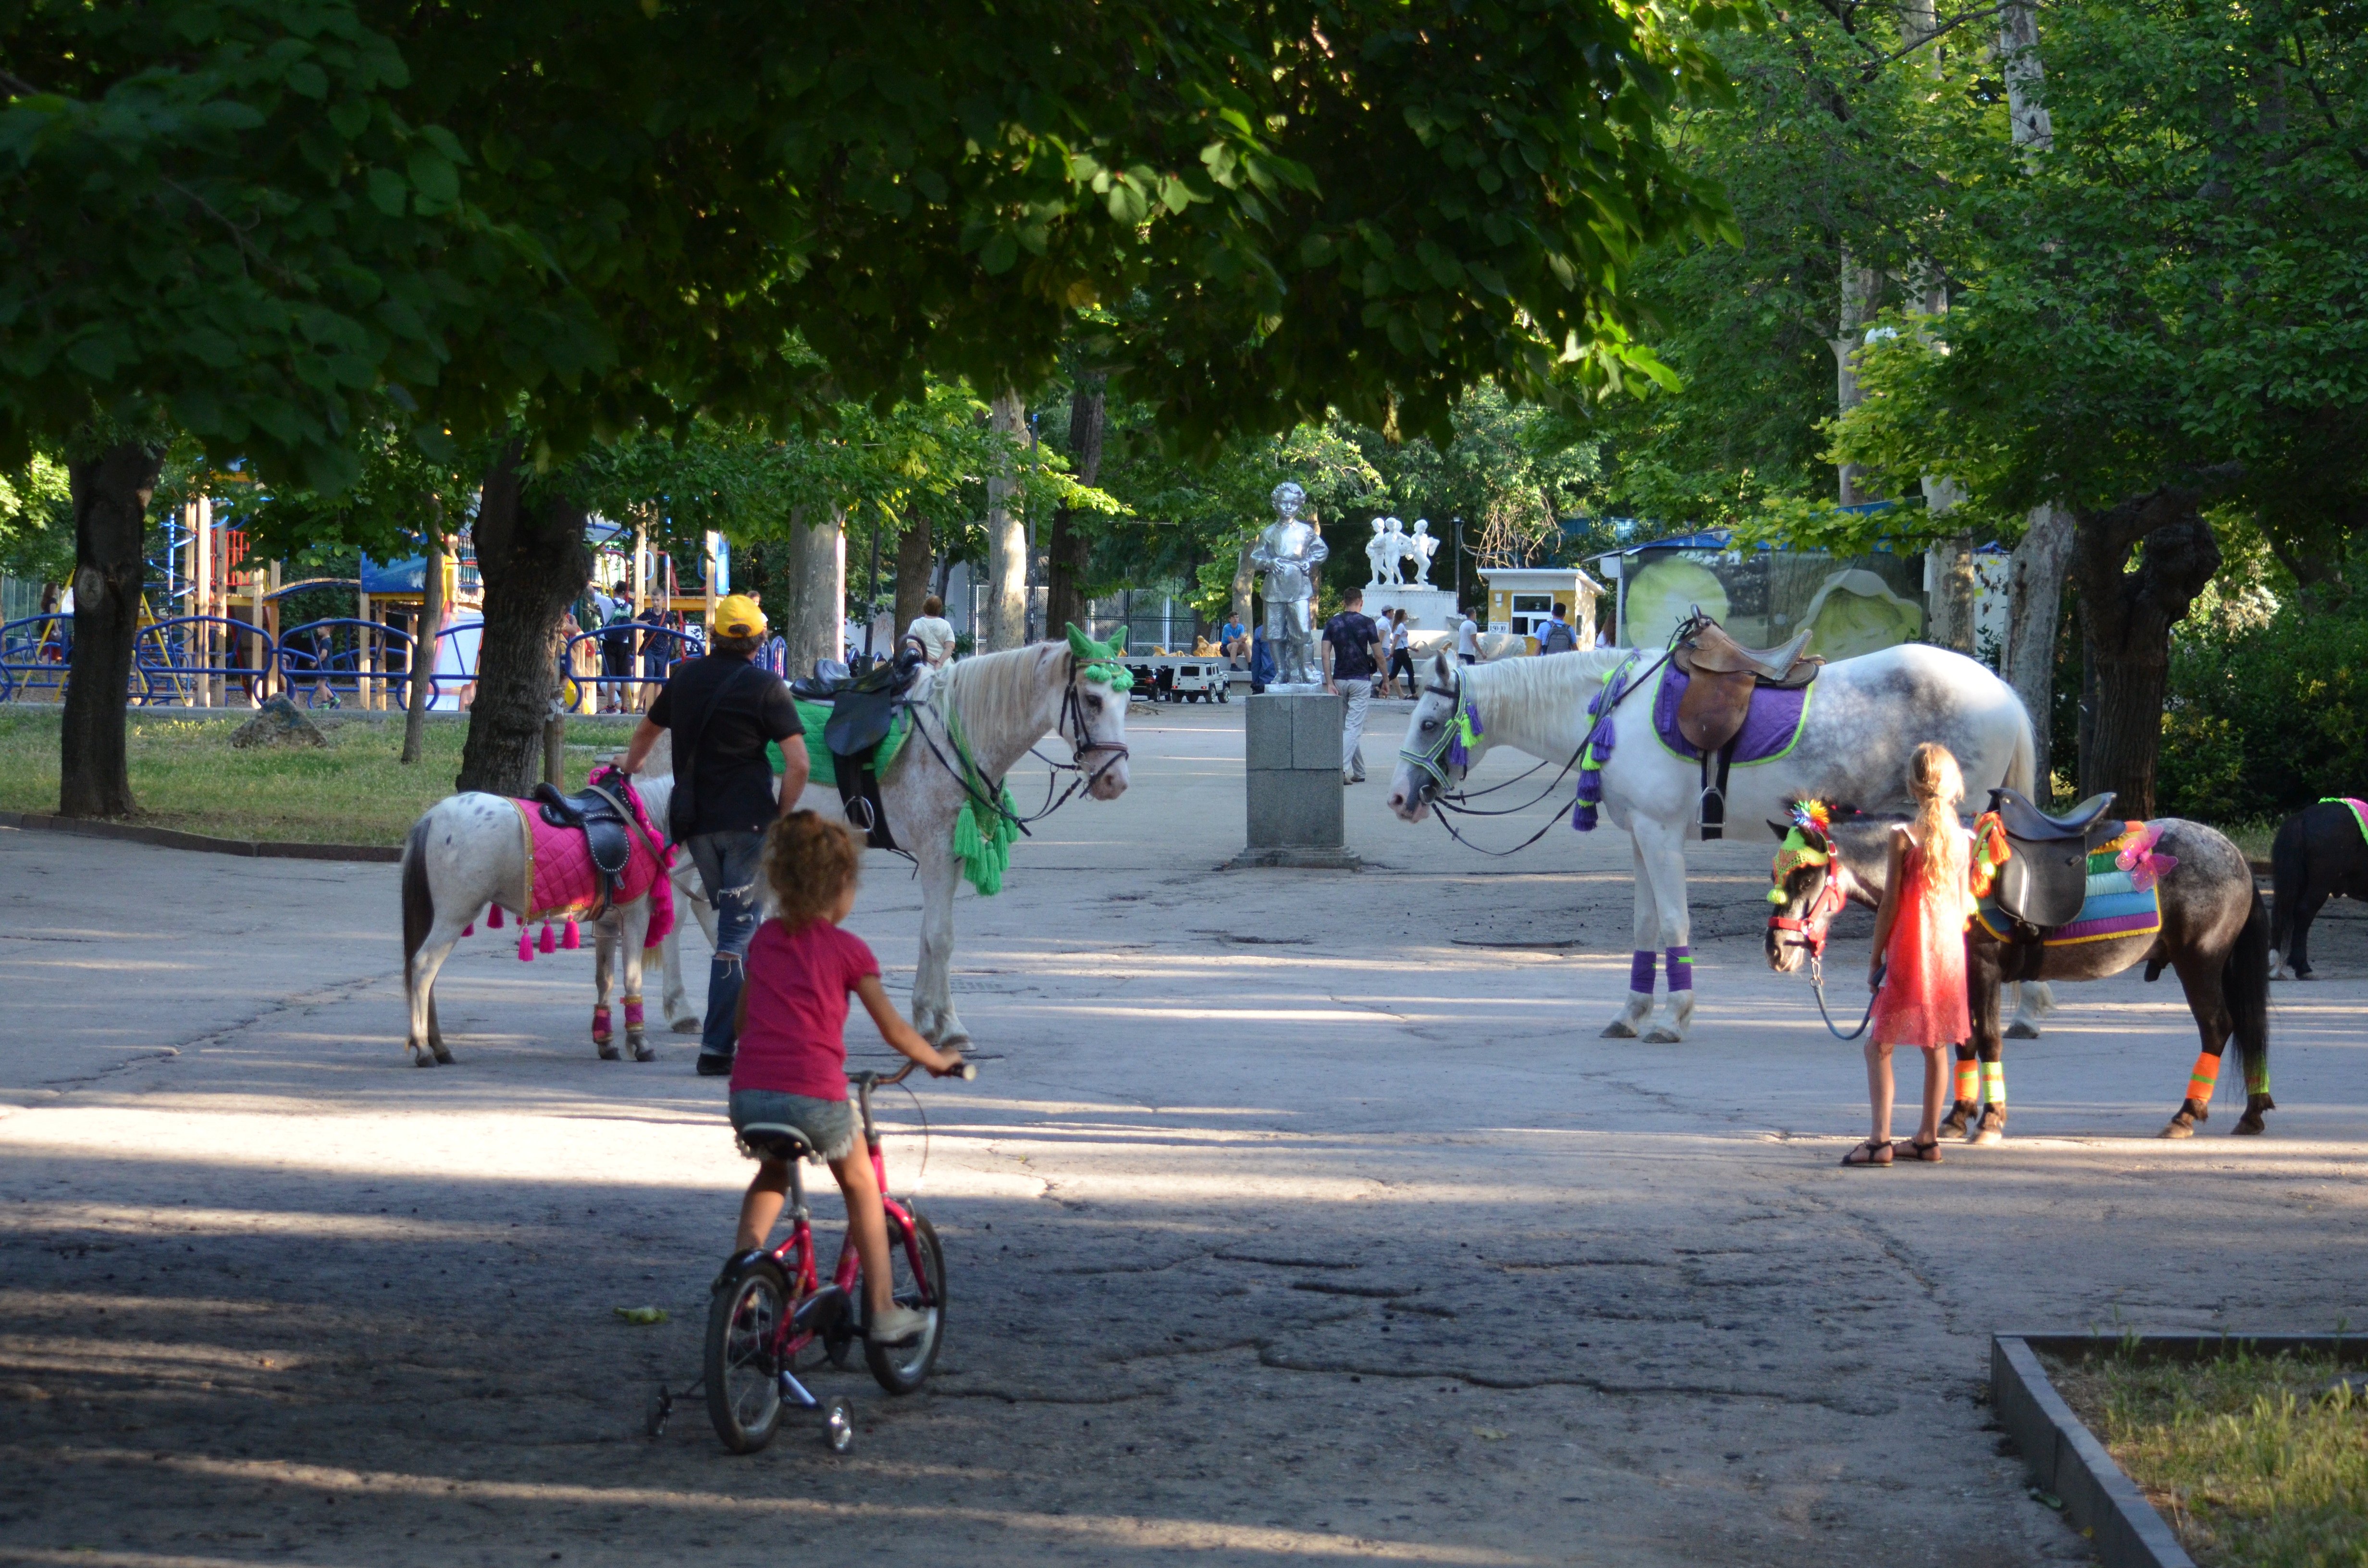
x,y
828,1125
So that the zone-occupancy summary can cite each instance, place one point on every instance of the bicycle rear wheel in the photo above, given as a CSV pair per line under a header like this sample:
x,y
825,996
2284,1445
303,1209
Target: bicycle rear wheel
x,y
901,1368
744,1388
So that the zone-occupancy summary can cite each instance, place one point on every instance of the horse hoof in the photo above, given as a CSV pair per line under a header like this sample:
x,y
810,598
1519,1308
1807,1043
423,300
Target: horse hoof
x,y
608,1053
2179,1127
423,1060
1661,1034
1985,1135
644,1053
2249,1127
686,1026
2021,1031
443,1056
1618,1029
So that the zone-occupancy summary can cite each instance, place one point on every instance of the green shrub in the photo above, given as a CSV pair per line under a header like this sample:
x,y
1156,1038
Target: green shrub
x,y
2262,721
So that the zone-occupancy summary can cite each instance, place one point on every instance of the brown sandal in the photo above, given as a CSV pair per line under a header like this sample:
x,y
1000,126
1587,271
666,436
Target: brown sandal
x,y
1925,1153
1875,1154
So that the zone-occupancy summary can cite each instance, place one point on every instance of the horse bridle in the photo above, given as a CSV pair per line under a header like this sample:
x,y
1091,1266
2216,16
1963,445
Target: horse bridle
x,y
1814,924
1431,764
1082,743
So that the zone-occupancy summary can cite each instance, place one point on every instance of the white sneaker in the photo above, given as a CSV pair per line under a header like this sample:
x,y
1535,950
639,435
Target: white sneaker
x,y
900,1325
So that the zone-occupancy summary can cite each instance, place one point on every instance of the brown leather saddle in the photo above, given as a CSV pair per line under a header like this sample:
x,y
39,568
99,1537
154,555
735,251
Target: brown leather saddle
x,y
1721,675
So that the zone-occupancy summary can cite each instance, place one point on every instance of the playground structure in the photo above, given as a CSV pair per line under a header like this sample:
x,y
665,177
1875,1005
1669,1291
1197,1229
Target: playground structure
x,y
223,642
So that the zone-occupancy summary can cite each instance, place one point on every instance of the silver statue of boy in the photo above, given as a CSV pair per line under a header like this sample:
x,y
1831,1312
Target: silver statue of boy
x,y
1289,551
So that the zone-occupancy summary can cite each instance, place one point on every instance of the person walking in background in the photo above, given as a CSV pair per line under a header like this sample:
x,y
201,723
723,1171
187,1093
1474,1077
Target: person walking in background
x,y
1467,637
1555,636
1352,653
657,654
617,657
722,710
1917,972
932,633
1401,651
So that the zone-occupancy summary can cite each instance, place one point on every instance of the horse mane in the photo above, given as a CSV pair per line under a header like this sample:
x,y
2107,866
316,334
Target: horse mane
x,y
996,694
1533,694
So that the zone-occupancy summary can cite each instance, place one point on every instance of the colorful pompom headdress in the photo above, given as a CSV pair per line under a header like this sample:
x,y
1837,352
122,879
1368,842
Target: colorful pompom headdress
x,y
1804,844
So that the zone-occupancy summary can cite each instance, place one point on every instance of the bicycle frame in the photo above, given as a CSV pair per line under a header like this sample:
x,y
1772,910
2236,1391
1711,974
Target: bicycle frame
x,y
816,1310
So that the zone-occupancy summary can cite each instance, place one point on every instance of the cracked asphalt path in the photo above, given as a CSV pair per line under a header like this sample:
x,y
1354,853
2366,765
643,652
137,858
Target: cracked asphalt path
x,y
1293,1215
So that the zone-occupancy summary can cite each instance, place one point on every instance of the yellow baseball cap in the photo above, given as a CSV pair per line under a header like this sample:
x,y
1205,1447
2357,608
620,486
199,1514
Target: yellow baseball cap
x,y
737,615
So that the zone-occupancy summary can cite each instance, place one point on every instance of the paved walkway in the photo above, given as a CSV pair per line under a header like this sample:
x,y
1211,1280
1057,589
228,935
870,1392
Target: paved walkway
x,y
1292,1215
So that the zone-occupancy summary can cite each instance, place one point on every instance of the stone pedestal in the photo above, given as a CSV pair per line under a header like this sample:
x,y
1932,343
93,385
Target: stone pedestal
x,y
1295,796
1428,610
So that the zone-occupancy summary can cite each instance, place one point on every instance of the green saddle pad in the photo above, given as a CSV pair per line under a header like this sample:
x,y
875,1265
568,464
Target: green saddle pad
x,y
813,716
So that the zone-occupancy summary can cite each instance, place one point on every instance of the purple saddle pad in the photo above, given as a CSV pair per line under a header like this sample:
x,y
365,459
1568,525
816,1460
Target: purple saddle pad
x,y
1768,730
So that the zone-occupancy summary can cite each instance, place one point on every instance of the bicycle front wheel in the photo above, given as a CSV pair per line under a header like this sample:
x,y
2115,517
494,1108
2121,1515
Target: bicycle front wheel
x,y
901,1368
744,1326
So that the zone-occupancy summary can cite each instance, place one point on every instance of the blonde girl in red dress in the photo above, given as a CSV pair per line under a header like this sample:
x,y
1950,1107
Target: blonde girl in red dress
x,y
1919,968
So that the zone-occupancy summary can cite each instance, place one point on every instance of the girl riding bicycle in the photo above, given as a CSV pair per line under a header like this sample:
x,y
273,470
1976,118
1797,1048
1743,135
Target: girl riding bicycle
x,y
792,1065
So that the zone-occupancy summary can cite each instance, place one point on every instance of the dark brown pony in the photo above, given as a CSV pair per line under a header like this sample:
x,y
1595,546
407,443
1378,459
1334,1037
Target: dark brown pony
x,y
2216,933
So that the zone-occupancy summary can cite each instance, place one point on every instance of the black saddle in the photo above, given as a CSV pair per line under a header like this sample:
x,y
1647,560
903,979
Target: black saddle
x,y
862,707
2045,878
775,1141
607,828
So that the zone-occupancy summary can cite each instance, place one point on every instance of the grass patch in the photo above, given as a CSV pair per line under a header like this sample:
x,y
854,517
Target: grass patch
x,y
2251,1458
185,775
2252,836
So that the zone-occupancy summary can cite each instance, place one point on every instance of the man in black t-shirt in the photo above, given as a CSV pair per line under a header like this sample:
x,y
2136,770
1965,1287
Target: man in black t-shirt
x,y
722,710
1352,656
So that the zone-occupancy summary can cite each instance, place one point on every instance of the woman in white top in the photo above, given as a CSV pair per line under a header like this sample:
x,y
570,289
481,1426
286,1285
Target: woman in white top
x,y
932,633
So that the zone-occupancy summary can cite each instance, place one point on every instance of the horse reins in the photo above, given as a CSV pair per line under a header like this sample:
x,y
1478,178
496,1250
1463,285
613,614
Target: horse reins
x,y
1082,744
1813,922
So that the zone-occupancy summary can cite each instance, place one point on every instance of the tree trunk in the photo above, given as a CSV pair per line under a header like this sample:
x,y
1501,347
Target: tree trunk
x,y
1245,579
110,493
1006,538
1858,290
914,558
1064,598
532,555
423,651
2128,617
815,572
2034,610
2018,52
1949,615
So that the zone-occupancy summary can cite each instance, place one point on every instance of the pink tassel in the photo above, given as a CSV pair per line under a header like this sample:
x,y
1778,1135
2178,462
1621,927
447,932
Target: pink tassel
x,y
494,919
470,929
547,944
571,941
526,948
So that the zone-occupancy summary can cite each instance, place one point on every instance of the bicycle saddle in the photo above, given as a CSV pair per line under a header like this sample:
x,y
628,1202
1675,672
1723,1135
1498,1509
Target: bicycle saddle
x,y
772,1141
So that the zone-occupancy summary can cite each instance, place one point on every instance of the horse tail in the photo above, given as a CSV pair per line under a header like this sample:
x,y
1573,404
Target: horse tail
x,y
2289,867
2245,989
418,904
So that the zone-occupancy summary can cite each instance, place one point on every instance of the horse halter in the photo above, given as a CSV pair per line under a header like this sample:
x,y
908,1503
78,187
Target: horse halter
x,y
1815,919
1434,769
1081,739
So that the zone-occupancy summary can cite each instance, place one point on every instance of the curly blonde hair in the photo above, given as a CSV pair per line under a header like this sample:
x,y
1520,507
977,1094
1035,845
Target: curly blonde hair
x,y
809,862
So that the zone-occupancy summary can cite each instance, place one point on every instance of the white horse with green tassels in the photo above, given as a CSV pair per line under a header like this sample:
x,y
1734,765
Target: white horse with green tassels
x,y
942,788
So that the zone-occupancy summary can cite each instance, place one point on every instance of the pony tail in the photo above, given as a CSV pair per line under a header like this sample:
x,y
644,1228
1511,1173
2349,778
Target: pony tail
x,y
1939,788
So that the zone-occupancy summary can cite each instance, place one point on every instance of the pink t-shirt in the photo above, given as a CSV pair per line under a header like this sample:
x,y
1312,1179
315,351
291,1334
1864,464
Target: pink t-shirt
x,y
794,1041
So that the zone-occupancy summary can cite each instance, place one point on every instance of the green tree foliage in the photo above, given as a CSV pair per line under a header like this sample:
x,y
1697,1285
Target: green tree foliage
x,y
37,540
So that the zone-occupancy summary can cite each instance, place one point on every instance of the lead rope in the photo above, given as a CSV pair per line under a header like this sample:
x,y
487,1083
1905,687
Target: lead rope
x,y
1817,983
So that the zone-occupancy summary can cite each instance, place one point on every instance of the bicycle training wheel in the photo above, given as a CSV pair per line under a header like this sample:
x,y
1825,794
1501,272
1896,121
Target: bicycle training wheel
x,y
901,1368
743,1390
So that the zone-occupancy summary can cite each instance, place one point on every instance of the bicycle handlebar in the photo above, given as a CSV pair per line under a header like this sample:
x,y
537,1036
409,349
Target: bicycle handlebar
x,y
967,1073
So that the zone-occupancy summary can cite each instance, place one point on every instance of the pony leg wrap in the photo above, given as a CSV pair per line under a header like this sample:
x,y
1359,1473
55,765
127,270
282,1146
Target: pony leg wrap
x,y
1994,1084
633,1014
1639,971
2199,1081
1968,1081
2257,1081
1681,970
601,1033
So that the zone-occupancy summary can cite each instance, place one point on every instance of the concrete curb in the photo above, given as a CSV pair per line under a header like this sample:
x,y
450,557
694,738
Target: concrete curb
x,y
173,838
2067,1459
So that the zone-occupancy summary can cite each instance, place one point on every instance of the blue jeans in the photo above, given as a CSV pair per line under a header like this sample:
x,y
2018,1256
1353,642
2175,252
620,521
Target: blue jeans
x,y
730,867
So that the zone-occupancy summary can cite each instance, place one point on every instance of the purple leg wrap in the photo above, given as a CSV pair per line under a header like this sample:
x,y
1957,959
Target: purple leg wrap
x,y
1681,969
600,1030
633,1013
1639,971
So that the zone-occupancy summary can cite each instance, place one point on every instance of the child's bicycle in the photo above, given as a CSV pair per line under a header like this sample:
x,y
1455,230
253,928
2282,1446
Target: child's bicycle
x,y
770,1307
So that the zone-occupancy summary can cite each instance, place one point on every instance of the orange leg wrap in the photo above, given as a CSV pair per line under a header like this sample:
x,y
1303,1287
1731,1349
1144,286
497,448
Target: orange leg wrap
x,y
1969,1080
2199,1081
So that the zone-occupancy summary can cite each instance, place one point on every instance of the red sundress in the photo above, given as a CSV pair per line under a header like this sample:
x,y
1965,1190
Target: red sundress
x,y
1923,1002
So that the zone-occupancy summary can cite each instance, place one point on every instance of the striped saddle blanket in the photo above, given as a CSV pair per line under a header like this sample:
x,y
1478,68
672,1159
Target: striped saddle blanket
x,y
2114,907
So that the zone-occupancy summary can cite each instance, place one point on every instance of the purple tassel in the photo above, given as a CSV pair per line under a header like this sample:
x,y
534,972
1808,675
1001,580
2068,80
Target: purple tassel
x,y
494,919
547,944
526,948
571,941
